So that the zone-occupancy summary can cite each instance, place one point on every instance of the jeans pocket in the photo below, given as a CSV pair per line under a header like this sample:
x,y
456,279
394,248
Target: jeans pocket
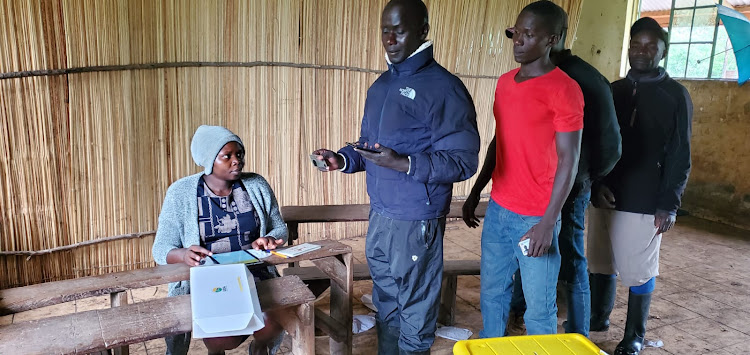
x,y
529,220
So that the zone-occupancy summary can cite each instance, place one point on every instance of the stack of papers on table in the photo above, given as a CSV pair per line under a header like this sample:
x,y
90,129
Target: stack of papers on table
x,y
298,250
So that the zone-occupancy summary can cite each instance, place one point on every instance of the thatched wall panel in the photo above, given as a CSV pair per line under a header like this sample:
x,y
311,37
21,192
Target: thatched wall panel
x,y
89,155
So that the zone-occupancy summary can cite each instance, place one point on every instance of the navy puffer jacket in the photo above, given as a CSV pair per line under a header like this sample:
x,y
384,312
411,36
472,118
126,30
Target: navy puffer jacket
x,y
419,109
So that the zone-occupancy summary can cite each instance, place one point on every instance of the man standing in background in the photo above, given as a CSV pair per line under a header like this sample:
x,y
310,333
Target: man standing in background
x,y
638,200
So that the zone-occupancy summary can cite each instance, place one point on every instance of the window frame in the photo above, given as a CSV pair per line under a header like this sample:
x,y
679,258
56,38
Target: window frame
x,y
690,43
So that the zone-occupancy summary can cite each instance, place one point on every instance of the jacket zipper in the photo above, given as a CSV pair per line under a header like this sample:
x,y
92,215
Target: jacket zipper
x,y
635,104
380,126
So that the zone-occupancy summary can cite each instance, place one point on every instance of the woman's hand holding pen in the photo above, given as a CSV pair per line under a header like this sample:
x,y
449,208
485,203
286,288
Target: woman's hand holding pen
x,y
267,243
194,254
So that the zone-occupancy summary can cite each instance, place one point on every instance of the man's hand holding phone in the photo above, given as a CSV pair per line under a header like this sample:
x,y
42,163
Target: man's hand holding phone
x,y
386,157
327,160
377,154
362,147
540,239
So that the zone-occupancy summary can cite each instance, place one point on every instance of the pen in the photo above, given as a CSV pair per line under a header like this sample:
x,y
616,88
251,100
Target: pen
x,y
277,254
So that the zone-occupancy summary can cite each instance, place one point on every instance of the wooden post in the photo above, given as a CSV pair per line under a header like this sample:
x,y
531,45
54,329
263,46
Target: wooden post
x,y
341,306
299,322
293,228
303,340
447,312
118,299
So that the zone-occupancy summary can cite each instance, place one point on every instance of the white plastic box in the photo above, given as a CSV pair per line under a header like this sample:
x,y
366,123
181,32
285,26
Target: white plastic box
x,y
224,301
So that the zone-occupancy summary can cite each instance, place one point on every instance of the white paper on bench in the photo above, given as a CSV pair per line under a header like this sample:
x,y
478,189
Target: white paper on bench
x,y
298,250
224,301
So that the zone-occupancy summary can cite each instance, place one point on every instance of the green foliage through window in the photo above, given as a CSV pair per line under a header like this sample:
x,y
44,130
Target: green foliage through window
x,y
699,47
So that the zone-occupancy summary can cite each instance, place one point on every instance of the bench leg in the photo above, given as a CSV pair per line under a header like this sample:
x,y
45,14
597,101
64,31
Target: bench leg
x,y
299,323
447,313
118,299
339,270
341,304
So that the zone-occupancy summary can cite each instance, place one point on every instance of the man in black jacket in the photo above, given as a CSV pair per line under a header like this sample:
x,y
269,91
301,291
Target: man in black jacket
x,y
638,200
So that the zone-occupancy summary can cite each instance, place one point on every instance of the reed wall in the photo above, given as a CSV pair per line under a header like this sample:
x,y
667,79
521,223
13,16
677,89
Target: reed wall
x,y
89,152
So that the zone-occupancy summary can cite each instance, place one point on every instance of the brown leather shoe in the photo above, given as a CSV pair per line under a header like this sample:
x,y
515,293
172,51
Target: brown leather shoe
x,y
516,325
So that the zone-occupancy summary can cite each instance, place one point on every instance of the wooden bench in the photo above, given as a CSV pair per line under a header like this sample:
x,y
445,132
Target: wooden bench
x,y
294,215
333,258
97,330
451,270
20,299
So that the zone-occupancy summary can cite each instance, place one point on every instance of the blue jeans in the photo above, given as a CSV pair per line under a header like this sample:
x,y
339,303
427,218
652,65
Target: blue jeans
x,y
406,264
573,267
574,274
501,257
517,303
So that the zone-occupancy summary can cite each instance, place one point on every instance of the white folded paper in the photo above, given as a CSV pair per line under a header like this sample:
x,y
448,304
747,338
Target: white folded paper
x,y
453,333
367,301
362,323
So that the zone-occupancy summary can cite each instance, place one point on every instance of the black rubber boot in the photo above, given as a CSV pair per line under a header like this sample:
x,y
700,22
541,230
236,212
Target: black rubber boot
x,y
603,288
387,339
635,325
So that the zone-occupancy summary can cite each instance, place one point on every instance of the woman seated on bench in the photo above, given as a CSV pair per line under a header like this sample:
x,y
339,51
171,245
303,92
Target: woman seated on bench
x,y
216,211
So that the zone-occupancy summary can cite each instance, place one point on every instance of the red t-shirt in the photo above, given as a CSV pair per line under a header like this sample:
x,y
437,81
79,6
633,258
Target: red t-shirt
x,y
527,115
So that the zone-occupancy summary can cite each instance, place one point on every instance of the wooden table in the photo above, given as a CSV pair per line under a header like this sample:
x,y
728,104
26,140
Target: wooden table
x,y
335,260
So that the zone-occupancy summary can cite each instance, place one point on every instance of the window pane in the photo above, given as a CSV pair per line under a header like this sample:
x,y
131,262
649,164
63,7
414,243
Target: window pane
x,y
725,64
684,3
698,61
705,2
704,25
681,26
719,59
677,59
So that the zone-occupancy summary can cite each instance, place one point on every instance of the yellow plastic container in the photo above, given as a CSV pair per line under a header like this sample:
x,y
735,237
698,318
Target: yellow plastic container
x,y
554,344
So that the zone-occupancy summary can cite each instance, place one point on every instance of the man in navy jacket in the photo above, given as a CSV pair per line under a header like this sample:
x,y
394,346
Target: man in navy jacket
x,y
421,123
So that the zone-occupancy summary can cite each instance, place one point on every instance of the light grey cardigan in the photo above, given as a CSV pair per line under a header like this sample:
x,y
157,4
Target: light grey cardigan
x,y
178,221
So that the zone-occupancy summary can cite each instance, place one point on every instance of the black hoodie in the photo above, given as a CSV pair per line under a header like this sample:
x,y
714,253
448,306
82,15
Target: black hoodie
x,y
600,144
655,117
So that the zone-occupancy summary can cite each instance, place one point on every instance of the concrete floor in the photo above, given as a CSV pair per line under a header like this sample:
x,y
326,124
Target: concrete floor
x,y
701,304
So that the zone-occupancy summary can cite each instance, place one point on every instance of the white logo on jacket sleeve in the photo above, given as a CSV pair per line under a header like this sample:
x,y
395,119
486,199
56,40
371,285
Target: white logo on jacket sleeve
x,y
408,92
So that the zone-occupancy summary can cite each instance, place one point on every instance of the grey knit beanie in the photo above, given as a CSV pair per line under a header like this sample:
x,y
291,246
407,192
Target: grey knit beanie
x,y
207,143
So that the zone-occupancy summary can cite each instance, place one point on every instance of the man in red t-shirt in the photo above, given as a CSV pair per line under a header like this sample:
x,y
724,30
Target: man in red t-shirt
x,y
532,162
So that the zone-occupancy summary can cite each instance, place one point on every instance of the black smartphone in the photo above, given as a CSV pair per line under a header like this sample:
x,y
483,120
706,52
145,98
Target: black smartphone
x,y
357,146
